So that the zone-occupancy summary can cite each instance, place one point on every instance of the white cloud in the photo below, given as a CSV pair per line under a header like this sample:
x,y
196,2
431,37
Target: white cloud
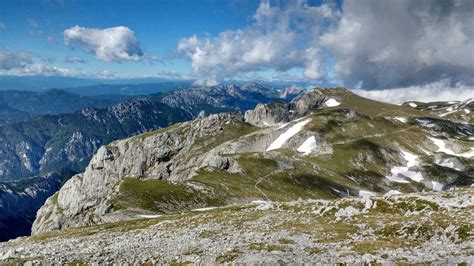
x,y
12,60
25,64
268,43
436,91
74,60
389,44
371,43
111,44
3,27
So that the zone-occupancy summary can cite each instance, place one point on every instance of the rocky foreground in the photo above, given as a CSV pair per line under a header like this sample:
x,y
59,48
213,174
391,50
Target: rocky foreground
x,y
431,227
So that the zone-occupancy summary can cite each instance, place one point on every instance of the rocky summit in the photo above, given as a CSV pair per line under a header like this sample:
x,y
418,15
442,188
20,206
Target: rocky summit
x,y
327,177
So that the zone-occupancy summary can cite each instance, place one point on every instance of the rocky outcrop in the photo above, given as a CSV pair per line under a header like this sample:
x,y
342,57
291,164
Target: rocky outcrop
x,y
280,112
83,200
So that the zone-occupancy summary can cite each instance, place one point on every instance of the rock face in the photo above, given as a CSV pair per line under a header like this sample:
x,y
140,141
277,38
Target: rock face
x,y
305,149
83,200
274,113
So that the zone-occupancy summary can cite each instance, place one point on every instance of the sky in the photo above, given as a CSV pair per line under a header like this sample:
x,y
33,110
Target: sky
x,y
368,45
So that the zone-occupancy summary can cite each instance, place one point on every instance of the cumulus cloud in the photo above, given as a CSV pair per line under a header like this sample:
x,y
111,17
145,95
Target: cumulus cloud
x,y
114,44
389,44
441,90
12,60
270,42
370,44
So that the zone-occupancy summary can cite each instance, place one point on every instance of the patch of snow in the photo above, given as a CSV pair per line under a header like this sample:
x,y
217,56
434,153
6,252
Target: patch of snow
x,y
414,105
412,160
450,109
452,102
266,124
467,111
308,146
149,216
447,113
468,154
401,119
393,192
426,123
258,202
441,146
332,103
437,186
204,209
365,193
278,143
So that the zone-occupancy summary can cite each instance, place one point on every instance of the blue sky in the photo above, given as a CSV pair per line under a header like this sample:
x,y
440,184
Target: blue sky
x,y
38,26
369,44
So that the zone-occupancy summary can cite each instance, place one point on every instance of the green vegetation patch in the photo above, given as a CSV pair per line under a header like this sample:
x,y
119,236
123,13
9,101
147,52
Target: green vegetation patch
x,y
161,196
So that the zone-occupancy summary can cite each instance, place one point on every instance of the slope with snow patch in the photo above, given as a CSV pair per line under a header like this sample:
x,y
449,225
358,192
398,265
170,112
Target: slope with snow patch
x,y
308,146
397,171
442,148
281,140
332,103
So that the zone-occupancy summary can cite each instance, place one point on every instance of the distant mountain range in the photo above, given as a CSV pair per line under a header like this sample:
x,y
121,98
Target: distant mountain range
x,y
54,101
42,83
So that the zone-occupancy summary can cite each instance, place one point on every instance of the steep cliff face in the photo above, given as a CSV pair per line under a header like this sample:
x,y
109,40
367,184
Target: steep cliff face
x,y
327,143
169,154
